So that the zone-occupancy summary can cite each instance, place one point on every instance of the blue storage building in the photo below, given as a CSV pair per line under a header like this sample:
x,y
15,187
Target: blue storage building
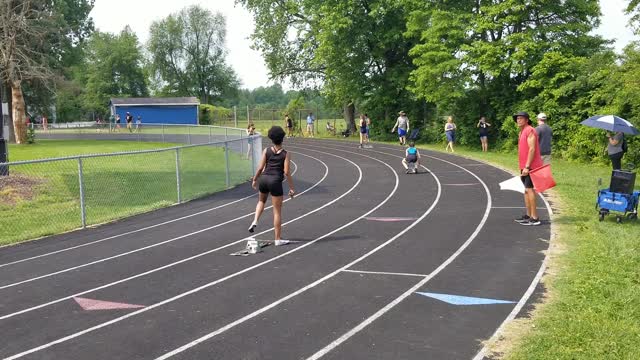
x,y
183,110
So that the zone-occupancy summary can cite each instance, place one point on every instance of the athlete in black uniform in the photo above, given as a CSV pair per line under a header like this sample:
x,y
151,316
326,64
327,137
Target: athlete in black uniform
x,y
274,166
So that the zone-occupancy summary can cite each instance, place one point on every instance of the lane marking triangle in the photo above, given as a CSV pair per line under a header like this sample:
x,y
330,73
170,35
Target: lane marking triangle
x,y
92,305
464,300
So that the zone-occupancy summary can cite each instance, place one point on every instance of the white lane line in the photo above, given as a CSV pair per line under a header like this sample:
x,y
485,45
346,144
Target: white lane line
x,y
384,273
150,307
469,184
319,281
421,283
525,297
155,244
195,256
133,231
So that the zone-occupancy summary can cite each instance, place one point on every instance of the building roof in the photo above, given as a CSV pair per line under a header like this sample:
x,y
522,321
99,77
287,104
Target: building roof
x,y
155,101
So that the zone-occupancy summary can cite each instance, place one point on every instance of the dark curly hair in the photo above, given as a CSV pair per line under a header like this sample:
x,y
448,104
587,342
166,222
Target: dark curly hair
x,y
276,134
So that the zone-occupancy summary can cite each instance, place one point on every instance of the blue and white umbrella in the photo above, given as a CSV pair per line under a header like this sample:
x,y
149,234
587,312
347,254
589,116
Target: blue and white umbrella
x,y
611,123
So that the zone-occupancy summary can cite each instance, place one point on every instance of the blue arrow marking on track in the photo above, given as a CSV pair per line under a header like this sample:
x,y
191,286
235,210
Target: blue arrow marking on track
x,y
464,300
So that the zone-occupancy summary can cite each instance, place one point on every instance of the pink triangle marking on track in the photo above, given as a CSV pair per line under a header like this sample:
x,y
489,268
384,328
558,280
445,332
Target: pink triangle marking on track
x,y
91,305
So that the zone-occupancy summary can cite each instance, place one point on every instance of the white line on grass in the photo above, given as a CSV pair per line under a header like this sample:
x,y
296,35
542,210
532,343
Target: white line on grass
x,y
133,231
200,288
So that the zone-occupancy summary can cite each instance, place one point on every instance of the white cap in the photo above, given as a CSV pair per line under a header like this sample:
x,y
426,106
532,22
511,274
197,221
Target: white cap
x,y
542,116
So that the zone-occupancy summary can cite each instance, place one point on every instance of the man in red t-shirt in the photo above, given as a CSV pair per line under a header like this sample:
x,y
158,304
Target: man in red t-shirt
x,y
528,158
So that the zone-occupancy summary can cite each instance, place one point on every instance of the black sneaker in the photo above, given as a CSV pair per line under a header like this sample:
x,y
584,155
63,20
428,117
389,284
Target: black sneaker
x,y
532,222
252,227
523,218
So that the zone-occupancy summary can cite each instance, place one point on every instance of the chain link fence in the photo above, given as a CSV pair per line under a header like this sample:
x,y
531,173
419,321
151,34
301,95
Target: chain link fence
x,y
50,196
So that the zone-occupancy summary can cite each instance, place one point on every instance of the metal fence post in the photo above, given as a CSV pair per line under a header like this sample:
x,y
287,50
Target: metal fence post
x,y
178,175
189,134
210,134
226,134
83,210
235,116
162,132
226,162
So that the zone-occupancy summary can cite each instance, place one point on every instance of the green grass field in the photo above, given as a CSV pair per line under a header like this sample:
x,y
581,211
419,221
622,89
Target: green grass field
x,y
43,199
593,281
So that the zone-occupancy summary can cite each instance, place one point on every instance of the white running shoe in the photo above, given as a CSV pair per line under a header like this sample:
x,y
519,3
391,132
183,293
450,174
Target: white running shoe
x,y
252,227
281,242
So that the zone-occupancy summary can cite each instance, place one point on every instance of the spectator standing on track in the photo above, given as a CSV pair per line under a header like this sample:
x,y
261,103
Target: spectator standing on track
x,y
483,128
544,138
363,130
411,156
366,117
450,131
310,120
273,168
402,124
528,158
288,123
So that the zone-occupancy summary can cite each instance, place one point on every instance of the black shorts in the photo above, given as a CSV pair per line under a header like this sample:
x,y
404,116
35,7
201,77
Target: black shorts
x,y
268,184
526,180
412,158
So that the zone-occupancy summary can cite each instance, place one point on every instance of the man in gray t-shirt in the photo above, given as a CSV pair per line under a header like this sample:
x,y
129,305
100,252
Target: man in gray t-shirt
x,y
614,149
544,138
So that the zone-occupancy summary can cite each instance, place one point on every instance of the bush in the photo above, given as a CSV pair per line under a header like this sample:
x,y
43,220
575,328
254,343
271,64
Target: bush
x,y
210,114
31,135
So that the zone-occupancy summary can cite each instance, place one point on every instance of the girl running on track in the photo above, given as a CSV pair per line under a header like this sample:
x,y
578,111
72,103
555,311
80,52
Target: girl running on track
x,y
274,166
412,155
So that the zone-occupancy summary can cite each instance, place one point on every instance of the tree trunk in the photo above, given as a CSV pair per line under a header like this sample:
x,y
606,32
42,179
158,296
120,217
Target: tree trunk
x,y
350,116
10,135
19,112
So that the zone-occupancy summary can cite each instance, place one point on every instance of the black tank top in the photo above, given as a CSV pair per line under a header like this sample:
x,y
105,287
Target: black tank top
x,y
275,163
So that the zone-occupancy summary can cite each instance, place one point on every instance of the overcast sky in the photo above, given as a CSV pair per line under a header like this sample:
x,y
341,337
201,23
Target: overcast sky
x,y
113,15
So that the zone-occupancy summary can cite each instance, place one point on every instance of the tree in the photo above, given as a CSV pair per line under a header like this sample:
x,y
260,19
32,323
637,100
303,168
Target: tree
x,y
354,49
480,51
36,37
188,55
633,9
114,67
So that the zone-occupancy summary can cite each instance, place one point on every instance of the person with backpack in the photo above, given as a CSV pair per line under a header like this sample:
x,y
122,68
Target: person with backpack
x,y
616,148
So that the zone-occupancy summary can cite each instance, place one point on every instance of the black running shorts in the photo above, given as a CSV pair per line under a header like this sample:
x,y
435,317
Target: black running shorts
x,y
526,180
270,185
